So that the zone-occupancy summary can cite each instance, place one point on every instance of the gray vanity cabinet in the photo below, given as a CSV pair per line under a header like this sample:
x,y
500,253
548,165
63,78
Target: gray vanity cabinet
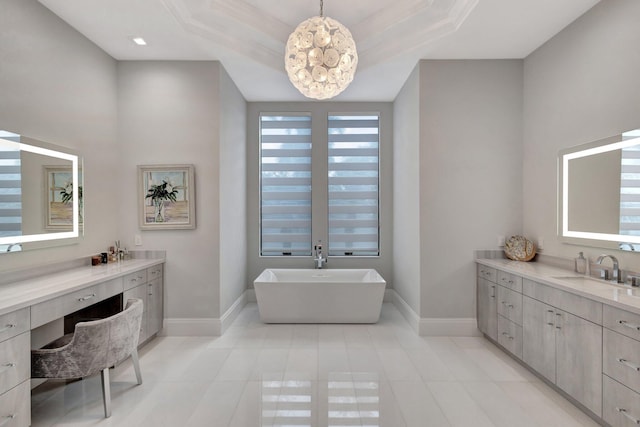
x,y
565,349
139,292
155,305
487,312
148,286
539,337
579,360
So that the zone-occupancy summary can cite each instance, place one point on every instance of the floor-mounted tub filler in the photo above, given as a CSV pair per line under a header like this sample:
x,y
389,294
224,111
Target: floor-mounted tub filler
x,y
319,296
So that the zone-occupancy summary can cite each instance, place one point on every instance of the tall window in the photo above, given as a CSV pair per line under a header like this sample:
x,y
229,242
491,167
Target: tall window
x,y
285,185
353,185
10,188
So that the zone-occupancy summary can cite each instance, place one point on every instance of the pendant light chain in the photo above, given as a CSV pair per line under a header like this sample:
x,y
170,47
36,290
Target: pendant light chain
x,y
321,8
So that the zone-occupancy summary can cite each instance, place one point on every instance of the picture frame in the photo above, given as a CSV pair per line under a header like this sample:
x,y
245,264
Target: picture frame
x,y
166,197
58,184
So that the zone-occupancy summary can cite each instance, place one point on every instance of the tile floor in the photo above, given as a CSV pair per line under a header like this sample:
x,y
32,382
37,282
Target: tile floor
x,y
259,375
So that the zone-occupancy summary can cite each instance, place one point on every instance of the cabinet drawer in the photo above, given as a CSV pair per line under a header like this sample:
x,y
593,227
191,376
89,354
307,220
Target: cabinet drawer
x,y
15,361
14,323
622,321
571,303
15,406
510,281
154,272
137,278
620,406
56,308
510,304
621,359
510,336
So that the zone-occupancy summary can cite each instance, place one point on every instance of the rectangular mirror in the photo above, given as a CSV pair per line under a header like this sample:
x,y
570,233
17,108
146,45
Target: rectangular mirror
x,y
599,192
38,202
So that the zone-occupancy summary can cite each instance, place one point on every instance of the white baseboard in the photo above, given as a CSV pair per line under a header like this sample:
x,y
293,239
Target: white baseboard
x,y
181,327
406,311
204,326
435,327
448,327
230,315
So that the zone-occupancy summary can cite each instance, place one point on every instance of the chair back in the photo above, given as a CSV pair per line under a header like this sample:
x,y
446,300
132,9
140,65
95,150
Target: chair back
x,y
95,345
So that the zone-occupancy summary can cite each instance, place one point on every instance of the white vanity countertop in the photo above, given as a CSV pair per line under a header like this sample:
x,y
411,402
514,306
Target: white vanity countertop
x,y
20,294
624,297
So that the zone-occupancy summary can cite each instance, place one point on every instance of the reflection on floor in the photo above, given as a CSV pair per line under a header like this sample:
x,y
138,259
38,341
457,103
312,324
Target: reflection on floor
x,y
260,375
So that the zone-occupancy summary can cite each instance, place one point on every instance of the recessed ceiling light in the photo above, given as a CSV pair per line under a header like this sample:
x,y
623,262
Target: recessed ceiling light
x,y
139,41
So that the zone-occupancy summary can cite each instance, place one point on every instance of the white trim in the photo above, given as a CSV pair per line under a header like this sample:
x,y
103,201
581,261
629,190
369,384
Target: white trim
x,y
232,312
449,327
204,326
181,327
435,327
406,311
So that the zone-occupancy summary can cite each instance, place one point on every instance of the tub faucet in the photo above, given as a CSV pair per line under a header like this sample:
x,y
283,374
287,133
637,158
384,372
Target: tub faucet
x,y
616,269
319,260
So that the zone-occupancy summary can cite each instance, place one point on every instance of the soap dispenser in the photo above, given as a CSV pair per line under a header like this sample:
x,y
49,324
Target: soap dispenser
x,y
581,264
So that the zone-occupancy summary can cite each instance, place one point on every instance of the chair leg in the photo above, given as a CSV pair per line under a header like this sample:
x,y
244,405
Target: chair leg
x,y
106,392
136,365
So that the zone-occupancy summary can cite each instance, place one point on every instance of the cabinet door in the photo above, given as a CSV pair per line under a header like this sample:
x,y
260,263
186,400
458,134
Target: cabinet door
x,y
141,293
579,360
539,341
155,304
486,308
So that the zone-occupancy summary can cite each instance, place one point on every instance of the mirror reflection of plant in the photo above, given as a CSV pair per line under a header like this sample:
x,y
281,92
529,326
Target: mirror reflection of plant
x,y
66,193
164,191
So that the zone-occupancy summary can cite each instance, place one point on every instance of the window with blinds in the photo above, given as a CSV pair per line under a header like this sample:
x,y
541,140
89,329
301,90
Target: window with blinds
x,y
10,188
353,185
285,185
630,192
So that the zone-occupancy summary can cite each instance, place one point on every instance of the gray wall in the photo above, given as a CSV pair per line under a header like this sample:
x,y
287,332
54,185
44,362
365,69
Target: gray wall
x,y
470,174
406,191
319,112
59,87
171,113
458,154
233,184
580,86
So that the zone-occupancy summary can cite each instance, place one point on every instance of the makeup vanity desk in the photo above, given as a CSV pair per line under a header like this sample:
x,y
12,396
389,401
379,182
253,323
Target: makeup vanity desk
x,y
44,296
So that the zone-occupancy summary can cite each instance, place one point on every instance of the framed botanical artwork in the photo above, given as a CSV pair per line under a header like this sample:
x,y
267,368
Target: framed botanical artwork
x,y
166,197
58,183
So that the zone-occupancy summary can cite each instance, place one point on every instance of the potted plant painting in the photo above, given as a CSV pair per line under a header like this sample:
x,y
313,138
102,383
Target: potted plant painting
x,y
158,194
166,197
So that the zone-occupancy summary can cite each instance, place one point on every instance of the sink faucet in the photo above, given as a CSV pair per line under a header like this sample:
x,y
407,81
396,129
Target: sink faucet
x,y
319,260
616,269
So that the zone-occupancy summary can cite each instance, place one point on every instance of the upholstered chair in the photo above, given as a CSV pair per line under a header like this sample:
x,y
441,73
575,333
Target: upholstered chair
x,y
93,347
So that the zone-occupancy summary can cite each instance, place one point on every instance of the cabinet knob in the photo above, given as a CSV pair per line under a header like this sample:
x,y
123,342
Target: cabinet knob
x,y
7,327
629,325
629,416
625,362
7,419
86,297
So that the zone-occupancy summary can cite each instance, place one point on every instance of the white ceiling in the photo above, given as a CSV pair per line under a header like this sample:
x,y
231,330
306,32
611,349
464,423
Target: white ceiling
x,y
248,36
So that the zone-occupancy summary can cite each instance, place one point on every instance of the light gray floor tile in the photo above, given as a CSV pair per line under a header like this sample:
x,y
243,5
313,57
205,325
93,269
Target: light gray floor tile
x,y
259,375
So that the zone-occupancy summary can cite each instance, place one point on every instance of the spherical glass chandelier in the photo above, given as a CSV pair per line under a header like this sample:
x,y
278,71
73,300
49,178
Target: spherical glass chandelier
x,y
320,57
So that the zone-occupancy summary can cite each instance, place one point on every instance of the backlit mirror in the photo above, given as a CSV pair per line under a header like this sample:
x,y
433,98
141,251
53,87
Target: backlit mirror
x,y
40,194
599,192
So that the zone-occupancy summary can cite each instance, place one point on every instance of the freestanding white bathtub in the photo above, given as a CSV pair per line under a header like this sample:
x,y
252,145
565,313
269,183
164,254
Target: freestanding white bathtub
x,y
319,296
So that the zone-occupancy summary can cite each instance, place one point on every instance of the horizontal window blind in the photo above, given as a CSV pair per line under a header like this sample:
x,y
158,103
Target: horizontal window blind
x,y
10,190
285,185
630,192
353,185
